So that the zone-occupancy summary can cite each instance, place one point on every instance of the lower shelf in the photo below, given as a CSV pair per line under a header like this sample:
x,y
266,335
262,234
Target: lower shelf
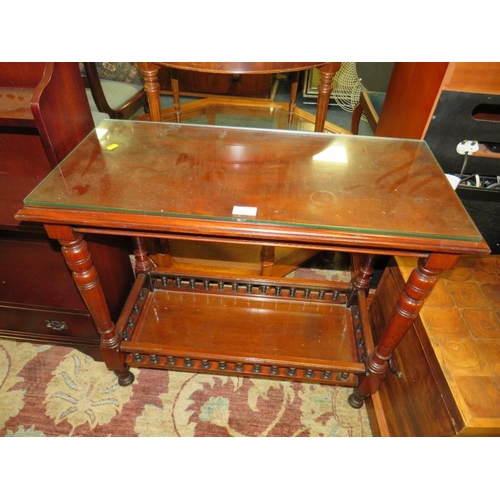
x,y
300,330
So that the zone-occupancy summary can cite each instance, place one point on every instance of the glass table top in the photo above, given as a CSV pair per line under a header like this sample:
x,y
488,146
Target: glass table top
x,y
265,177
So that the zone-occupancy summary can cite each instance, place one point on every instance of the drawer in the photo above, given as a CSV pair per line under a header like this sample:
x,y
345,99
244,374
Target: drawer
x,y
46,322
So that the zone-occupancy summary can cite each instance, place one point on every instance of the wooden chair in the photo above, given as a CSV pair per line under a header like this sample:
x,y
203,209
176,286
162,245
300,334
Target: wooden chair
x,y
271,261
370,104
119,100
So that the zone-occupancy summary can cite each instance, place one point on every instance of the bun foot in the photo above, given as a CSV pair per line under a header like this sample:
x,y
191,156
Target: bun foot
x,y
126,378
355,401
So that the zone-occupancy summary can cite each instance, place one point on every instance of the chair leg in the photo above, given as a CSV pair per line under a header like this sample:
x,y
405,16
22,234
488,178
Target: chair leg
x,y
175,94
294,79
356,117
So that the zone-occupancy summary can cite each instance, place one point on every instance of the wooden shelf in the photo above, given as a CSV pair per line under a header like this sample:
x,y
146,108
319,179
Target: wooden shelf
x,y
272,327
15,107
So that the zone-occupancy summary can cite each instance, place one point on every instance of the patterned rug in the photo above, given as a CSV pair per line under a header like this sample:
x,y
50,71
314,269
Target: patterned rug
x,y
58,391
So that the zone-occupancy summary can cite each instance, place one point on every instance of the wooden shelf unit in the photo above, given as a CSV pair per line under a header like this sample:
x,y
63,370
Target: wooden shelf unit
x,y
176,321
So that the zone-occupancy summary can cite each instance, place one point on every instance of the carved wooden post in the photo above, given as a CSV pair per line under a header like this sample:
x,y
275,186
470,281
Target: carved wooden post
x,y
142,262
152,87
416,290
361,282
266,260
78,258
325,88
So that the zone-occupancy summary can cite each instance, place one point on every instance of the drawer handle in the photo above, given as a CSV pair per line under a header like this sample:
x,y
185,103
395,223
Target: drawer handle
x,y
56,325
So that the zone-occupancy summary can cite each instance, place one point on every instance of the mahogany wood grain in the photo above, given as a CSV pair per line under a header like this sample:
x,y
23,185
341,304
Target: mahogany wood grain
x,y
142,262
25,75
267,260
411,96
201,230
362,279
32,290
60,94
14,107
270,332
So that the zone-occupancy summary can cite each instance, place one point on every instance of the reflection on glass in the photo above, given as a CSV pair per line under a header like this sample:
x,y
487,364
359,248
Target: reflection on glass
x,y
101,132
332,154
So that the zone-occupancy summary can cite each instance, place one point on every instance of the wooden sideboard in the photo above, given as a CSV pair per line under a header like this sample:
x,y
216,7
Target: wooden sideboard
x,y
44,114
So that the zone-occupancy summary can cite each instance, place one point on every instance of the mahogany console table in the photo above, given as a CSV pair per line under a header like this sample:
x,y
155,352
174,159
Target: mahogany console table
x,y
357,194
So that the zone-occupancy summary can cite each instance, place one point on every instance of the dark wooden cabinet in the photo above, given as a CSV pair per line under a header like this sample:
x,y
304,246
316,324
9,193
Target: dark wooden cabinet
x,y
44,114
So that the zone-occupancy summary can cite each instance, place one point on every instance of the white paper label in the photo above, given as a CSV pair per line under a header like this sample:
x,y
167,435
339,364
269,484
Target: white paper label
x,y
244,210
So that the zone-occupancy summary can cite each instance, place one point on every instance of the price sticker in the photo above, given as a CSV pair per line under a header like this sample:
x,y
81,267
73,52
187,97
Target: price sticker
x,y
251,211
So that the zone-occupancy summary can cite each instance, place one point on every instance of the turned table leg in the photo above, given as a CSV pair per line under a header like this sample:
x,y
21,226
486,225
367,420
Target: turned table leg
x,y
152,87
142,262
325,88
78,258
416,290
266,260
361,282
